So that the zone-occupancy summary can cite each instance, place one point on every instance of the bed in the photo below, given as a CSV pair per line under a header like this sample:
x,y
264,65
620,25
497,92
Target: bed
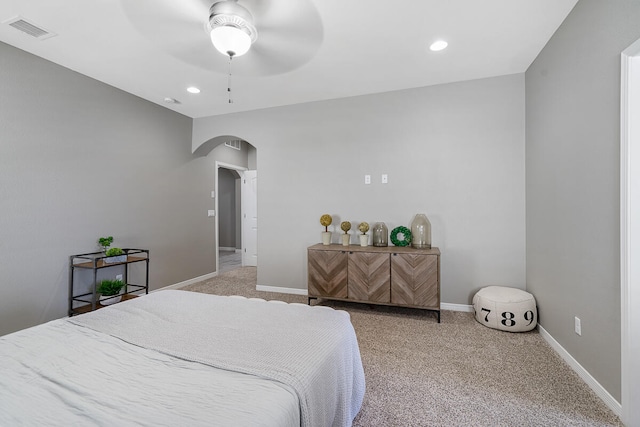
x,y
183,358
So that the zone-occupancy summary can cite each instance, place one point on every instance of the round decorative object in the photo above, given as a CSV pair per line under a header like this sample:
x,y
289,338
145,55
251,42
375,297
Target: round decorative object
x,y
363,227
345,226
506,309
326,220
406,236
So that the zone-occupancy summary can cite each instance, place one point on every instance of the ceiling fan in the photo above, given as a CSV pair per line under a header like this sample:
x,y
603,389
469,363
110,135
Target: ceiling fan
x,y
290,32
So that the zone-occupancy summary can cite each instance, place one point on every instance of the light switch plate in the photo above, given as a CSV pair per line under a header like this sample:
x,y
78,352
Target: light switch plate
x,y
211,212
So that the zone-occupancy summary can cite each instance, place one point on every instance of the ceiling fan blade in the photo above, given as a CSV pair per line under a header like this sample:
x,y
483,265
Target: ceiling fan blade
x,y
289,33
187,10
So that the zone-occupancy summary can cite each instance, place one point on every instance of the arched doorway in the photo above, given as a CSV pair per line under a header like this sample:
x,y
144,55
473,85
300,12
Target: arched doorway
x,y
235,203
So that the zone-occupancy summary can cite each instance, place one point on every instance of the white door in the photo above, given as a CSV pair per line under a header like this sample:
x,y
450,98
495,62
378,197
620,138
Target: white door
x,y
249,211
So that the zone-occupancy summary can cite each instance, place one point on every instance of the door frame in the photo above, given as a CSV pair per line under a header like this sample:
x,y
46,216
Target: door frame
x,y
630,232
223,165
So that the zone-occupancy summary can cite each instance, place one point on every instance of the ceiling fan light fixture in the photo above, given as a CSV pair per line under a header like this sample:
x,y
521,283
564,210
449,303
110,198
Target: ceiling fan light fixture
x,y
230,41
232,30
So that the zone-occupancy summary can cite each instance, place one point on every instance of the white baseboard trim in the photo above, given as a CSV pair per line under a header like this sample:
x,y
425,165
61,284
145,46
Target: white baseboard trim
x,y
603,394
187,282
456,307
228,249
281,290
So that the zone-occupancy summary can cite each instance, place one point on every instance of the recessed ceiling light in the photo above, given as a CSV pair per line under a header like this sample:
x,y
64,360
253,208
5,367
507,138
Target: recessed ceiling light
x,y
193,89
171,100
438,45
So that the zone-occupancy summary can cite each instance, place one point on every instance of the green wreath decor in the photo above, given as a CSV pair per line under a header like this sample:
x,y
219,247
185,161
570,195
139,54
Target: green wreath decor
x,y
406,236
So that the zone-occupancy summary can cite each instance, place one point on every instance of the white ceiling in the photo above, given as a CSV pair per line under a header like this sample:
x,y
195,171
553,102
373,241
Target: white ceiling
x,y
307,50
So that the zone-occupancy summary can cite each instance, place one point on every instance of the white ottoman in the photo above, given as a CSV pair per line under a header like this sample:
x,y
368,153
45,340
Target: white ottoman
x,y
507,309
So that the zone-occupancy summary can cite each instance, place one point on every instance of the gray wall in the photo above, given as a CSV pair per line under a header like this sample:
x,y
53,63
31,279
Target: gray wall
x,y
80,159
454,152
573,175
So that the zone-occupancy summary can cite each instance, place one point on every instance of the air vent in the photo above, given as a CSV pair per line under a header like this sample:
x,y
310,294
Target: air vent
x,y
234,143
21,24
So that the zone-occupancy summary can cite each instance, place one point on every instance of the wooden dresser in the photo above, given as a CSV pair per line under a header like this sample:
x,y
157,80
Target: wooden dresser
x,y
392,275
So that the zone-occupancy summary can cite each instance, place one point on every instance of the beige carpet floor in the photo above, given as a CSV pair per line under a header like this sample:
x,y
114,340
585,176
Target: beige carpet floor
x,y
456,373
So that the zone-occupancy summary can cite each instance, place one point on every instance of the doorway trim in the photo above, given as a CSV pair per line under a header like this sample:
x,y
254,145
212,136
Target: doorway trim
x,y
222,165
630,232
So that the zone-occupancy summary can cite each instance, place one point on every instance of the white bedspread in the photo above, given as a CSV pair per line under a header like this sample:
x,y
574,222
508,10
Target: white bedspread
x,y
274,364
313,350
60,374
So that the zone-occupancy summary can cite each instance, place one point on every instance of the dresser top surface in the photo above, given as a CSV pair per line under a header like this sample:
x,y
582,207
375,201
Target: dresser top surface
x,y
381,249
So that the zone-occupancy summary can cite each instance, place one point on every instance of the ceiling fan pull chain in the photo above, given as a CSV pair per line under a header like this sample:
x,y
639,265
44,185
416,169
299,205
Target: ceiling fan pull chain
x,y
229,79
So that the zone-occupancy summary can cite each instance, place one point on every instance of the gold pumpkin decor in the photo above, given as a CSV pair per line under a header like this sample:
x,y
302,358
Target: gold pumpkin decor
x,y
345,226
326,221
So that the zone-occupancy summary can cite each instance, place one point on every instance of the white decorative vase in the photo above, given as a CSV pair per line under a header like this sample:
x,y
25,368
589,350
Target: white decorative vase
x,y
364,240
115,259
108,300
326,238
345,239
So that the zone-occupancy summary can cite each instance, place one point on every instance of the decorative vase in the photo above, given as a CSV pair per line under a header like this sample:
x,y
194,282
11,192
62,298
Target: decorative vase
x,y
364,240
421,232
326,238
114,259
110,299
380,234
345,239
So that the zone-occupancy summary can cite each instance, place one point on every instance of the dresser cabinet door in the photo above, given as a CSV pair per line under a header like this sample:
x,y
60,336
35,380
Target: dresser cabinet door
x,y
414,280
369,278
327,273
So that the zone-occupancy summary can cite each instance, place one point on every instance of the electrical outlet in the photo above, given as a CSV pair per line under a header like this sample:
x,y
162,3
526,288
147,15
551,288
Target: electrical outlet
x,y
578,326
118,276
367,179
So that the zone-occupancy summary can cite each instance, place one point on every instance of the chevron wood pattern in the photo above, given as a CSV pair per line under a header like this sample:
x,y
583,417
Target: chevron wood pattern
x,y
414,280
327,273
368,277
400,276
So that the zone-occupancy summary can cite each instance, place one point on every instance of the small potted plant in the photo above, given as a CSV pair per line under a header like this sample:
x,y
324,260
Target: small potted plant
x,y
109,291
105,242
345,226
113,255
325,221
364,239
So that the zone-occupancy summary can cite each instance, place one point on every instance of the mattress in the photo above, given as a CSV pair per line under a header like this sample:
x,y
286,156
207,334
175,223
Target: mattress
x,y
182,358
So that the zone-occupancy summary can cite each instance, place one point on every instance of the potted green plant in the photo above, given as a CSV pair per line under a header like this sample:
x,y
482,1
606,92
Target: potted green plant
x,y
113,255
364,239
325,221
109,291
345,226
105,242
